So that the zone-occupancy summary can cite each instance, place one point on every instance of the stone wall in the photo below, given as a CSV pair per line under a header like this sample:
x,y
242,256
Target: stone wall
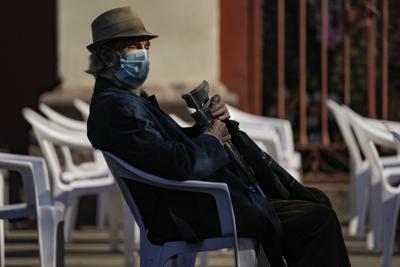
x,y
186,51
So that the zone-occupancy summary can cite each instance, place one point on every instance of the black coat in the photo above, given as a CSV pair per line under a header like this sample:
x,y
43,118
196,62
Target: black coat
x,y
138,131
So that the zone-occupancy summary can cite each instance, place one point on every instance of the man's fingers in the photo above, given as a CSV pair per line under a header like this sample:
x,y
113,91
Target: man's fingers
x,y
216,106
215,99
219,128
219,112
224,117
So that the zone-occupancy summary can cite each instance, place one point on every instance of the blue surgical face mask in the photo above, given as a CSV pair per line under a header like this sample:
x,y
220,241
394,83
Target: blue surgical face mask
x,y
134,68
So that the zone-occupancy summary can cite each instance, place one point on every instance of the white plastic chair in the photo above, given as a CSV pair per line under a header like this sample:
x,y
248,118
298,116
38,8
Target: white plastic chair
x,y
387,206
283,128
159,255
61,119
359,169
66,188
82,107
374,192
269,141
359,172
39,204
97,167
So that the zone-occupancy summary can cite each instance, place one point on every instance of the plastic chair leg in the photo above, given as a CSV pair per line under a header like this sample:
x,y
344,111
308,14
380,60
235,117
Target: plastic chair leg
x,y
151,257
51,241
101,215
361,205
129,235
2,264
185,260
262,260
203,258
71,211
247,258
114,204
2,258
390,215
374,236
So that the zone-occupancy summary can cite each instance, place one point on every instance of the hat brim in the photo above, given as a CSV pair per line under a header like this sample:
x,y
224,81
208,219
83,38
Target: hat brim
x,y
148,35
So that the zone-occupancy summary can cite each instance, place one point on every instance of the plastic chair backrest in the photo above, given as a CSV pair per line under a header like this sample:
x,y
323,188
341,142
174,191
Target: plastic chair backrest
x,y
83,107
267,139
370,136
345,128
71,124
61,119
282,126
49,134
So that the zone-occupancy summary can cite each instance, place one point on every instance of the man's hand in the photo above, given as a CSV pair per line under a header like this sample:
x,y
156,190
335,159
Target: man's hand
x,y
219,129
218,108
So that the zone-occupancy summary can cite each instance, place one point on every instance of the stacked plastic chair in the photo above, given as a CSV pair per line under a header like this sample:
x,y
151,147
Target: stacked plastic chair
x,y
361,189
68,190
109,201
359,172
38,204
385,182
272,130
180,252
97,167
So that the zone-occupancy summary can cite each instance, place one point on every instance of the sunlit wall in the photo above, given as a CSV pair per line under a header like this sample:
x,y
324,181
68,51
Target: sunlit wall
x,y
186,51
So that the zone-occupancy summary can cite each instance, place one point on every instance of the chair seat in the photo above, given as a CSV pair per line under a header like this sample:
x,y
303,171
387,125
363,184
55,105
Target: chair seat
x,y
86,171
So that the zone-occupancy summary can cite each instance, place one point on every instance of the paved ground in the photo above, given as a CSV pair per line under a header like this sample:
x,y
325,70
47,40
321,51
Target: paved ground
x,y
90,248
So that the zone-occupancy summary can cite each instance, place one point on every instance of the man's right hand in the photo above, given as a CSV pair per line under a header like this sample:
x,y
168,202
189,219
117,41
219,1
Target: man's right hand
x,y
219,129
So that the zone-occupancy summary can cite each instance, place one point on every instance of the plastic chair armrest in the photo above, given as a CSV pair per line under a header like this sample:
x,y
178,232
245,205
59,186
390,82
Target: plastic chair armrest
x,y
220,193
392,176
34,174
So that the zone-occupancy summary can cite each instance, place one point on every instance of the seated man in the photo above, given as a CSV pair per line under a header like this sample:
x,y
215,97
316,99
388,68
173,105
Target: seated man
x,y
128,123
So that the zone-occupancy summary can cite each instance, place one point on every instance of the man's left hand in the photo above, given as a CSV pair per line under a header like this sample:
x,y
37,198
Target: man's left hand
x,y
218,108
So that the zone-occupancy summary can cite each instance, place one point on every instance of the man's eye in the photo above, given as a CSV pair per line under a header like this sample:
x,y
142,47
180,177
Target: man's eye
x,y
133,46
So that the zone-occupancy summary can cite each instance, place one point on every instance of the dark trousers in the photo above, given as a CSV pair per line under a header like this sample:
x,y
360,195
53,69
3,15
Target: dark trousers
x,y
312,234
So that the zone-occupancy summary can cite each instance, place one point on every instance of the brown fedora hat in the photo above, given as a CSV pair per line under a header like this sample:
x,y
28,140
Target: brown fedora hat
x,y
117,23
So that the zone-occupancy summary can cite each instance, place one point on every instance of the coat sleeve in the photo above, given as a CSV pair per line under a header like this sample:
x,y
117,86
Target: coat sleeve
x,y
137,140
192,131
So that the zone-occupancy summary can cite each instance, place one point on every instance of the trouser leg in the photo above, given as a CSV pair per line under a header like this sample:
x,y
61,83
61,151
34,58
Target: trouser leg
x,y
312,234
320,196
